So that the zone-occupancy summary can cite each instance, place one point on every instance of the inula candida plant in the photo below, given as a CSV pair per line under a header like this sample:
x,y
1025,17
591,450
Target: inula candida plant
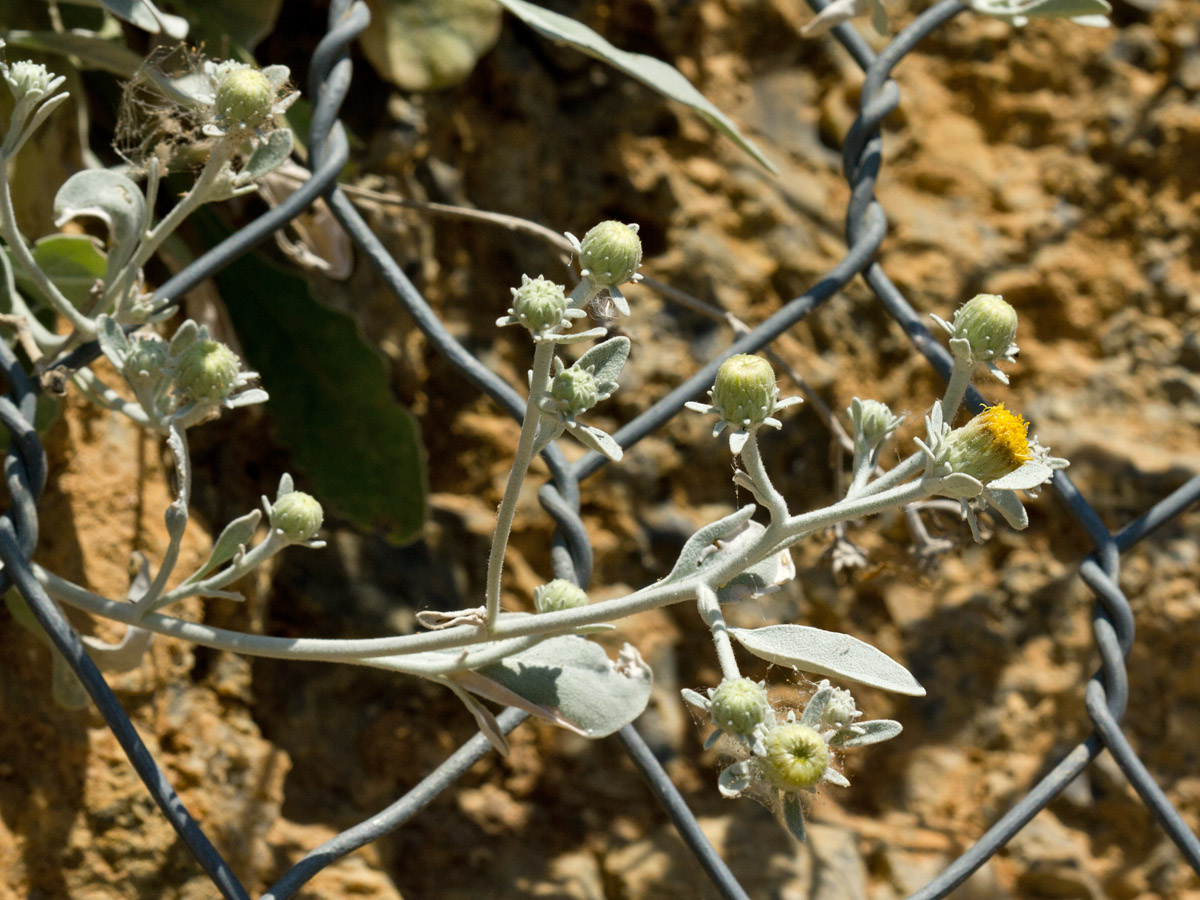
x,y
541,661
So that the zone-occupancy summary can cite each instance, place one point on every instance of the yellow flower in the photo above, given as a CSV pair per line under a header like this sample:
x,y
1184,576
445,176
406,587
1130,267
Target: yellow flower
x,y
991,445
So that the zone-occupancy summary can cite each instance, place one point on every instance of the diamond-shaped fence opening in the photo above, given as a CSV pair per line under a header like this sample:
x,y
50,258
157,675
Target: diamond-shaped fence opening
x,y
1112,619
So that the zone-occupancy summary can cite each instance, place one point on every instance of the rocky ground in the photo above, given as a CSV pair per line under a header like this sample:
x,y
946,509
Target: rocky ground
x,y
1056,165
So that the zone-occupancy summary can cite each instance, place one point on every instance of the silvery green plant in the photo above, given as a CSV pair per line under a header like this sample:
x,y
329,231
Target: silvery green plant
x,y
541,662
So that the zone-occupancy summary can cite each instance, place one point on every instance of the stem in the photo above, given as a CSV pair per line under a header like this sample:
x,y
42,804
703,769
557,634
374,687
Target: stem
x,y
542,356
189,203
240,567
710,611
765,491
956,388
864,465
16,243
176,518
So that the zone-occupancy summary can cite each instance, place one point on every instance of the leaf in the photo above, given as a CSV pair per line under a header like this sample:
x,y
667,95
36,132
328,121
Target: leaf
x,y
700,544
595,439
73,262
764,577
110,197
873,732
234,536
330,398
268,155
422,45
148,17
1090,12
113,342
574,677
221,22
828,653
607,360
653,73
793,816
91,50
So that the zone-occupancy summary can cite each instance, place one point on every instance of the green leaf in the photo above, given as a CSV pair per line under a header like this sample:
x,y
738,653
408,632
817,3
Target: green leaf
x,y
828,653
654,73
110,197
243,22
574,677
92,50
700,545
73,262
234,536
422,45
148,17
330,397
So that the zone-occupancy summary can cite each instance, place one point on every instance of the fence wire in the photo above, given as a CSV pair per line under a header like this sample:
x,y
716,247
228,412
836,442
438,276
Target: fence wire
x,y
329,79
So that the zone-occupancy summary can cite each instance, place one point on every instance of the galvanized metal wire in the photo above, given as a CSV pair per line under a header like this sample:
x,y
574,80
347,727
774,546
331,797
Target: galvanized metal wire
x,y
1106,694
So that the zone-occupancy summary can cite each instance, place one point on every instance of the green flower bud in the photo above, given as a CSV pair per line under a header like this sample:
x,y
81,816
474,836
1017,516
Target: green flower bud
x,y
744,391
873,420
575,390
738,705
991,445
796,757
146,359
245,98
298,515
611,253
207,372
840,710
989,324
557,595
538,304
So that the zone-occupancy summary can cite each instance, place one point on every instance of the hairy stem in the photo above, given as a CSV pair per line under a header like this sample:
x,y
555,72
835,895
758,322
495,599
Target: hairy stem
x,y
542,357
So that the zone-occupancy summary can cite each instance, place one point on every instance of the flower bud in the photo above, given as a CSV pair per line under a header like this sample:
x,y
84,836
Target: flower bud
x,y
208,372
538,304
873,420
557,595
245,98
25,77
744,391
298,515
146,360
989,325
796,757
575,390
840,710
990,446
739,705
611,253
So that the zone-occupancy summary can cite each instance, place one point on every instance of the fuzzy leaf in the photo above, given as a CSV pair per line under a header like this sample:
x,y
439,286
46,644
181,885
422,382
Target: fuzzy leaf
x,y
876,730
1088,10
422,45
595,439
654,73
107,196
700,544
221,22
234,536
575,678
606,359
113,342
1009,505
762,578
828,653
268,155
793,816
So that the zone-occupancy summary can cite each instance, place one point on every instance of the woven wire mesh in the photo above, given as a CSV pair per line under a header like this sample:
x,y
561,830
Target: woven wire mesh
x,y
1107,691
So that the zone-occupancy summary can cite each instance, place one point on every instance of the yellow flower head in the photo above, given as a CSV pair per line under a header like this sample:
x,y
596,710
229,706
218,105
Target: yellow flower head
x,y
991,445
796,758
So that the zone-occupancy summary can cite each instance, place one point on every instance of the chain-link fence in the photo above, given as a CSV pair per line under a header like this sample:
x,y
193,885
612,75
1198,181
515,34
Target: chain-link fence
x,y
329,80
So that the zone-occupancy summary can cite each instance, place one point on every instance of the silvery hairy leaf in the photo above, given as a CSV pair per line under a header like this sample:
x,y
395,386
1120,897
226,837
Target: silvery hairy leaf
x,y
828,653
113,199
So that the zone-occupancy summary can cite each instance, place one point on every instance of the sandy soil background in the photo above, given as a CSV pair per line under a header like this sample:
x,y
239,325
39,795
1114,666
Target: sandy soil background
x,y
1056,165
